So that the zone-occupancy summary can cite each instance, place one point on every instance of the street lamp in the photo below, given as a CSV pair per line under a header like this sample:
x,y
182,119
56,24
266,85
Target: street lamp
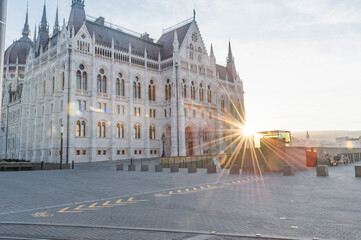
x,y
163,140
61,146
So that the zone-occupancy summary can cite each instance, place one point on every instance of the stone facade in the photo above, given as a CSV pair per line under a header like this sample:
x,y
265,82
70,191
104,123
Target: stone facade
x,y
83,90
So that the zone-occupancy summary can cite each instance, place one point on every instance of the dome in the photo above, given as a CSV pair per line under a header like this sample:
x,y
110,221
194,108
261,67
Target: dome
x,y
18,50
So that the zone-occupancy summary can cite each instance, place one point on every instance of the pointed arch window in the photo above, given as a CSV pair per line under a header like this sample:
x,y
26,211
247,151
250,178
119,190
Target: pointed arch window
x,y
201,92
78,129
151,91
82,131
193,91
168,90
152,132
222,104
81,78
101,130
119,86
199,54
209,94
137,131
53,85
137,88
191,51
101,82
184,89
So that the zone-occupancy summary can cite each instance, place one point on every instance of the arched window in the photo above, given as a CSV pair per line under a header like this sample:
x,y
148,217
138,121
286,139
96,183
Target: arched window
x,y
168,90
81,78
53,85
122,130
99,130
103,129
152,132
137,88
82,131
62,81
191,52
78,129
184,89
209,94
118,130
137,131
151,91
119,86
201,92
193,91
205,135
101,82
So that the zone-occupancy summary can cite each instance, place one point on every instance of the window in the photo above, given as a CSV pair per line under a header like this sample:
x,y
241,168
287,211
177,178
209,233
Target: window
x,y
201,92
193,91
104,152
152,113
84,152
82,105
80,129
168,90
81,78
119,87
194,113
152,132
101,129
53,85
120,130
185,112
62,80
165,112
137,131
210,115
118,152
118,109
222,103
209,94
184,89
77,152
99,152
137,88
191,52
199,54
101,82
151,91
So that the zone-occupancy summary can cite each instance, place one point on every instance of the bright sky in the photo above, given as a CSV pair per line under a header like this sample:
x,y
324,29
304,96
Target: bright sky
x,y
300,60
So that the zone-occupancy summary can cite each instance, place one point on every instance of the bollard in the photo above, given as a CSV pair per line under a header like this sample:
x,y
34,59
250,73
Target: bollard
x,y
72,164
174,168
158,168
144,168
119,167
42,165
357,171
234,169
288,171
322,170
192,169
211,169
131,168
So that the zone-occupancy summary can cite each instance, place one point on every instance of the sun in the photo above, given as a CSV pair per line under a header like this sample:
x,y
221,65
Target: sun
x,y
248,130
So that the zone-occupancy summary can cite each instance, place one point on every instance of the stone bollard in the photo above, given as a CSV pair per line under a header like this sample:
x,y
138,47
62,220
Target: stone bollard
x,y
42,165
119,167
234,169
322,170
192,169
211,169
72,164
288,171
174,168
158,168
131,168
357,171
144,168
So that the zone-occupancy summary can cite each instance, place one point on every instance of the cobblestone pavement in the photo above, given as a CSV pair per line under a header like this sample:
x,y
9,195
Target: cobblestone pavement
x,y
94,201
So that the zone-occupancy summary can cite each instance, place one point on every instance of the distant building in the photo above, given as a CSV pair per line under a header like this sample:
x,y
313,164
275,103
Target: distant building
x,y
347,142
114,93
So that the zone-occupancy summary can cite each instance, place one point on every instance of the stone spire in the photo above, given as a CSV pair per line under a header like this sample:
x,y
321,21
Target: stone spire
x,y
77,15
230,58
34,40
44,27
56,28
212,57
26,29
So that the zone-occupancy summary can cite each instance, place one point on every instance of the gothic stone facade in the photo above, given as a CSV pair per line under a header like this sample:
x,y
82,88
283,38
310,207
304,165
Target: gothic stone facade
x,y
105,94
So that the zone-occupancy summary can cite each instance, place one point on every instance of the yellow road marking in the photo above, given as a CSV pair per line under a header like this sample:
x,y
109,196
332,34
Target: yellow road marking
x,y
94,205
64,210
107,203
131,200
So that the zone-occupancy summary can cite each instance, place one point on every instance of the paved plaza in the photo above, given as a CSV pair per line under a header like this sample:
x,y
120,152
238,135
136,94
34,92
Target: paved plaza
x,y
94,201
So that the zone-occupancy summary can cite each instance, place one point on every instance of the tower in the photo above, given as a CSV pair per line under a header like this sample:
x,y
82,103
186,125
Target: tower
x,y
77,15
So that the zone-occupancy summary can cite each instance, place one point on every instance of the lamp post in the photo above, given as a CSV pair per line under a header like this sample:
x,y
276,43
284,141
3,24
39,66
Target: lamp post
x,y
163,140
61,146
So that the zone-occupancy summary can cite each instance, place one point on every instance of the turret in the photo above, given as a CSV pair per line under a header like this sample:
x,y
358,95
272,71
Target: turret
x,y
77,15
56,28
213,58
43,35
231,68
175,42
26,29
